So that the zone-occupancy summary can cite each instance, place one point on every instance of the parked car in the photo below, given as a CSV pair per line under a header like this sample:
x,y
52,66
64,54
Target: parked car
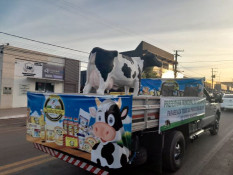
x,y
227,101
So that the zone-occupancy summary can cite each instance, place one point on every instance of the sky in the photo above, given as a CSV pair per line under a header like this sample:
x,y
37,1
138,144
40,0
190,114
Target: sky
x,y
203,29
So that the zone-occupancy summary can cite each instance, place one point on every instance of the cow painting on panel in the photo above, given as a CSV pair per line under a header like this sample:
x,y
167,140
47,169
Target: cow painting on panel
x,y
111,70
109,129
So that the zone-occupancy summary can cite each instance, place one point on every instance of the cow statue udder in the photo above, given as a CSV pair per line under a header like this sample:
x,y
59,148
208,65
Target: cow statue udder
x,y
111,70
109,128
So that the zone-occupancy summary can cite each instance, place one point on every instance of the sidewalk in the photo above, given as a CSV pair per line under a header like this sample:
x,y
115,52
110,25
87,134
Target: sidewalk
x,y
13,113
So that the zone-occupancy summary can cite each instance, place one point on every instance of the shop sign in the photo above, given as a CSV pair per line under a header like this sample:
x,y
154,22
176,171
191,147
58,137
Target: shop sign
x,y
23,88
28,68
53,71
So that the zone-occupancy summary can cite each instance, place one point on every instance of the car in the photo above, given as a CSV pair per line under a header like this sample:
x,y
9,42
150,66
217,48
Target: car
x,y
227,101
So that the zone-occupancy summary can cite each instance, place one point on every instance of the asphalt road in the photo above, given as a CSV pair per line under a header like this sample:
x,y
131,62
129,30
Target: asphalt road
x,y
207,155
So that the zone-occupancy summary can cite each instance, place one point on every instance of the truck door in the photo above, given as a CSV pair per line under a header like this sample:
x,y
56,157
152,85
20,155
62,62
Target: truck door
x,y
209,110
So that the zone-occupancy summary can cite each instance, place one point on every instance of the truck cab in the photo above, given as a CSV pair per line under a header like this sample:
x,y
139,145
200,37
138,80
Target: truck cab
x,y
212,113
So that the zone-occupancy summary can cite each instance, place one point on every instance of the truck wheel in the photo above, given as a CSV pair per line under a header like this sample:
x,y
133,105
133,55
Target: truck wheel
x,y
174,148
140,157
215,127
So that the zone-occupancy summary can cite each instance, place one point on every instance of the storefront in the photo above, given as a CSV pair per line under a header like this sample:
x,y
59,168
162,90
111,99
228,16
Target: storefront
x,y
24,71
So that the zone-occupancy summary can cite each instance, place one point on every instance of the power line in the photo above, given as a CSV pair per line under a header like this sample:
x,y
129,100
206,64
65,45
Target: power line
x,y
100,20
208,54
40,49
32,58
36,53
43,42
192,71
206,61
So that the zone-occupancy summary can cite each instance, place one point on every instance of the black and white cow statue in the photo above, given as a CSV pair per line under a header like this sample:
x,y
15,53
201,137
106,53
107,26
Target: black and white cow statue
x,y
111,70
109,129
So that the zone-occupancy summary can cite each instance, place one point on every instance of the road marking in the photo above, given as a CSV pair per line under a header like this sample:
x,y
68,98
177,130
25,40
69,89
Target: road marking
x,y
14,116
18,123
27,166
22,162
11,130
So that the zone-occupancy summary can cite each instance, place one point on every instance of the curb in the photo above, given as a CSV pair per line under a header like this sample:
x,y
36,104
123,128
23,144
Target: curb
x,y
14,116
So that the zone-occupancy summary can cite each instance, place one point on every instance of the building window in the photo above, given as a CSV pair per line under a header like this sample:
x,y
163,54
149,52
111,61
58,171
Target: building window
x,y
44,87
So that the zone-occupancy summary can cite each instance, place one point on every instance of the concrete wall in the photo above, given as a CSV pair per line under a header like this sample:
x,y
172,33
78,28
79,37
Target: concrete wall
x,y
7,80
20,100
59,87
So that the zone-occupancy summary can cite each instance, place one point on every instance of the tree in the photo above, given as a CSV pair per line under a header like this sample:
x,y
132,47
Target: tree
x,y
149,73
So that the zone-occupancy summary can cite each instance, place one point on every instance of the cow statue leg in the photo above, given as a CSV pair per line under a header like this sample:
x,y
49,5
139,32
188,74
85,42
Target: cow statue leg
x,y
102,87
126,90
87,88
105,85
136,88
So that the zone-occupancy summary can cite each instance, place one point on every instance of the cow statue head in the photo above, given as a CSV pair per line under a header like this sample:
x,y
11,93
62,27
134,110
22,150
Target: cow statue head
x,y
150,60
108,126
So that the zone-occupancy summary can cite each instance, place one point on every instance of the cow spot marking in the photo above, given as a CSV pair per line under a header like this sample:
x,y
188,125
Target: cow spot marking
x,y
123,160
95,146
134,75
107,151
98,162
126,70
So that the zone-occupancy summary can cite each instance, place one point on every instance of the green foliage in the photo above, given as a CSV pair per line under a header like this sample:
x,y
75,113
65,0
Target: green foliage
x,y
149,73
126,140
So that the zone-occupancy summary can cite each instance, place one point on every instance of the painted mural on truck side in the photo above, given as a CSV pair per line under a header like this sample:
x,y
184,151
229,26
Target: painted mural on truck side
x,y
96,125
188,87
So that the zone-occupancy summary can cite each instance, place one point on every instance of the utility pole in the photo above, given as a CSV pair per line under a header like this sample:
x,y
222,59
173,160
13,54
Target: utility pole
x,y
212,77
175,66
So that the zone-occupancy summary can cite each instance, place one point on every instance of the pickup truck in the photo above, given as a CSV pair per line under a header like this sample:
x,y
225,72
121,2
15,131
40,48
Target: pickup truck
x,y
105,133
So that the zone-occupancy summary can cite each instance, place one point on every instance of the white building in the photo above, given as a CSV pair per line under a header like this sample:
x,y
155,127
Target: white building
x,y
24,70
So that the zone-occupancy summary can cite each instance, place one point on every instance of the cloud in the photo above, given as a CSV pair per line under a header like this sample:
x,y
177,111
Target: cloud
x,y
127,120
198,27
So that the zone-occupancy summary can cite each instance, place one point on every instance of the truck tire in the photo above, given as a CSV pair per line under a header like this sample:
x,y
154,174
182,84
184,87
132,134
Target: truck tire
x,y
215,127
140,157
173,152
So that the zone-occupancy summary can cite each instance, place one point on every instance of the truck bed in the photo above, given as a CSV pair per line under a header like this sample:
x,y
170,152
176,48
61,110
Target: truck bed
x,y
145,112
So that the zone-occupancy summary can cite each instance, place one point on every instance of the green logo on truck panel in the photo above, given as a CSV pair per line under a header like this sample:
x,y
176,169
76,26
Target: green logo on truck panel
x,y
54,108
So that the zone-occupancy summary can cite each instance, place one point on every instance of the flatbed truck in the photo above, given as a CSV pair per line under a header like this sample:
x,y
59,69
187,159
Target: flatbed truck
x,y
156,128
